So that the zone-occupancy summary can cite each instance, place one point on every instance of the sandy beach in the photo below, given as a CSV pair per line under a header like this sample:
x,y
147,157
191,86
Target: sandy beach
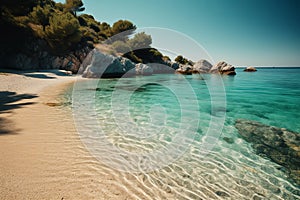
x,y
41,156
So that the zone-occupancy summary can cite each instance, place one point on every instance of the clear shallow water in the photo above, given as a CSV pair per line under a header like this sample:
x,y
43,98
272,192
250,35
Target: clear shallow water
x,y
167,131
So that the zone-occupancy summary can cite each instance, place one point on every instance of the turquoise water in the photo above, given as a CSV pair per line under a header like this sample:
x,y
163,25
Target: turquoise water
x,y
270,96
170,129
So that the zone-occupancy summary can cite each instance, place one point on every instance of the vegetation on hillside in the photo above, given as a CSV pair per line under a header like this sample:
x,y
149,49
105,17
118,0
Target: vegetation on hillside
x,y
184,61
60,25
61,28
138,49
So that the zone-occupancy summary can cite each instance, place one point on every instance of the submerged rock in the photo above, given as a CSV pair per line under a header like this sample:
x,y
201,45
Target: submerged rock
x,y
222,194
223,68
228,140
278,144
53,104
250,69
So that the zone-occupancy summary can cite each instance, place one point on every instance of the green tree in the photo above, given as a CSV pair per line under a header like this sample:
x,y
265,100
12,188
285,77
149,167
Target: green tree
x,y
63,32
60,6
122,29
74,6
89,21
166,58
181,60
140,41
121,47
122,25
18,7
41,15
105,30
89,34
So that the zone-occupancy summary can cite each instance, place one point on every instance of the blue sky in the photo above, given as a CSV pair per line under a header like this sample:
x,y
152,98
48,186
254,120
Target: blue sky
x,y
241,32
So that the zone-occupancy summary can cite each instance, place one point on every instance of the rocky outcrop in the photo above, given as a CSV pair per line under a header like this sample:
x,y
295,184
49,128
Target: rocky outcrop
x,y
142,69
73,60
223,68
86,62
202,66
33,55
108,66
250,69
185,69
278,144
39,58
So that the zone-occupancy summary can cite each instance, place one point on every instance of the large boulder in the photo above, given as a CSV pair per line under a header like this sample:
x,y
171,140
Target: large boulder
x,y
223,68
142,69
202,66
250,69
108,66
278,144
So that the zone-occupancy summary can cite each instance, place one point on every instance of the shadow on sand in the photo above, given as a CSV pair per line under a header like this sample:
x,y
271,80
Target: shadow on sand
x,y
41,76
37,73
8,102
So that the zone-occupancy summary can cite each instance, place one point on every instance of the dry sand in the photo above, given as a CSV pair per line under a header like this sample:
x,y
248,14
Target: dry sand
x,y
41,156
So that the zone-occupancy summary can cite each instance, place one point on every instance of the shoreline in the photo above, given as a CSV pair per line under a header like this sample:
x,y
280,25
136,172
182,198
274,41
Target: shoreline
x,y
41,155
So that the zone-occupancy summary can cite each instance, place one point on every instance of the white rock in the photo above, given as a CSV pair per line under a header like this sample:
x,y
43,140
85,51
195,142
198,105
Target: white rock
x,y
143,69
202,66
103,65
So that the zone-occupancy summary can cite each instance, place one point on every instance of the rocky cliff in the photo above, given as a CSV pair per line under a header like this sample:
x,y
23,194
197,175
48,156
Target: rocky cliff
x,y
35,55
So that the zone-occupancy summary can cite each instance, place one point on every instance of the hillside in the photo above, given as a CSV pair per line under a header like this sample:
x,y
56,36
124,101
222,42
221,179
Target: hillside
x,y
43,34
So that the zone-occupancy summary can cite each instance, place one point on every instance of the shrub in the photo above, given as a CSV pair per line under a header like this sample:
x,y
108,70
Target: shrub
x,y
89,34
181,60
74,6
121,47
122,29
166,58
41,15
62,32
140,41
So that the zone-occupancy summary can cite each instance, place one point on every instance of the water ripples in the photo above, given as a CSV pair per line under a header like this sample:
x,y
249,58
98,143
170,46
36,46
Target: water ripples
x,y
228,171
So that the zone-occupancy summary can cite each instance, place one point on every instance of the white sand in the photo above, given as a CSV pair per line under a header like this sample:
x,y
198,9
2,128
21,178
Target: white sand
x,y
41,156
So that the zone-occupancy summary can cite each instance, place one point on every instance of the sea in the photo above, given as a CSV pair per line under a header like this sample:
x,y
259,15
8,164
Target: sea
x,y
175,133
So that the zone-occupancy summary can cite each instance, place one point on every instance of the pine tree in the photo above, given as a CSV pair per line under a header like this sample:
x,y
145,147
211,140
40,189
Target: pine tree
x,y
63,32
74,6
